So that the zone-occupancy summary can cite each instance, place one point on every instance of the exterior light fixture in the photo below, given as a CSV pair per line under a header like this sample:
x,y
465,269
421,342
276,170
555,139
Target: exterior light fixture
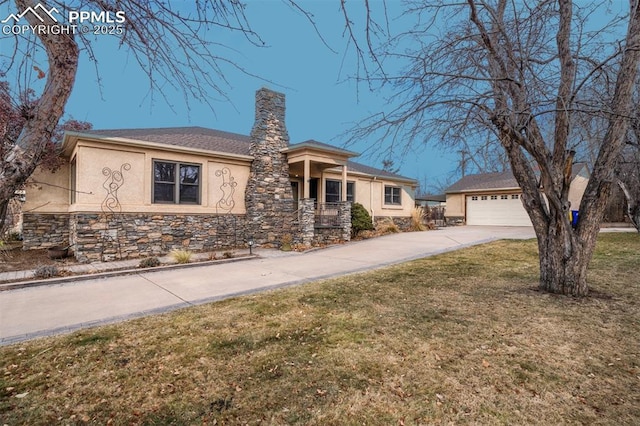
x,y
251,243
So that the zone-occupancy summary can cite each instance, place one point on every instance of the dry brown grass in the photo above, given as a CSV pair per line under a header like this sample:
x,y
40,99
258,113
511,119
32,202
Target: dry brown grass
x,y
462,338
386,226
181,256
417,219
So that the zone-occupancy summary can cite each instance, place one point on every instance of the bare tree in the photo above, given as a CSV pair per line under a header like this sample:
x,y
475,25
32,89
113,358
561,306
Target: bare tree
x,y
170,41
591,130
628,174
13,119
517,70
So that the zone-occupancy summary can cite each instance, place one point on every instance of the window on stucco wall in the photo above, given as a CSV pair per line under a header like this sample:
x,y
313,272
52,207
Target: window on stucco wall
x,y
175,182
333,191
392,195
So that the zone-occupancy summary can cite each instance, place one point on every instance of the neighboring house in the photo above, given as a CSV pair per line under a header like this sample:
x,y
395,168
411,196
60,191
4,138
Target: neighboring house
x,y
138,192
429,200
436,205
495,198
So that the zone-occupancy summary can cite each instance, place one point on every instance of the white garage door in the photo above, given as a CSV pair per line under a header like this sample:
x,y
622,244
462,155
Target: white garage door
x,y
496,210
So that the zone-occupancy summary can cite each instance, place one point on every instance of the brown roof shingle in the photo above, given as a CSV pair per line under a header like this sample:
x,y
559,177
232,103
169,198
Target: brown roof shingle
x,y
485,181
500,180
220,141
191,137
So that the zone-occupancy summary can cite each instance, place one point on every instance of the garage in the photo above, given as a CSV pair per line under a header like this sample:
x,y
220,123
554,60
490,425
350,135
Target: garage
x,y
496,210
495,199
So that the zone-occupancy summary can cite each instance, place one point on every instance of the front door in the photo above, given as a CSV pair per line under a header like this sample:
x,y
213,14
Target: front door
x,y
313,189
295,189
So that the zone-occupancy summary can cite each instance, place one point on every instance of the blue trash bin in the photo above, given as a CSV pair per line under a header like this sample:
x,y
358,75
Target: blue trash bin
x,y
574,219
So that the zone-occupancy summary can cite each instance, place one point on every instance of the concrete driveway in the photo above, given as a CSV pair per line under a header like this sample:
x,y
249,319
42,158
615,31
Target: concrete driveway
x,y
60,308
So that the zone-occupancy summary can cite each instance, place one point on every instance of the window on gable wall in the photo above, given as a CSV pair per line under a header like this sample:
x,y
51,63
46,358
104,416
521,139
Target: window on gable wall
x,y
333,191
392,195
175,182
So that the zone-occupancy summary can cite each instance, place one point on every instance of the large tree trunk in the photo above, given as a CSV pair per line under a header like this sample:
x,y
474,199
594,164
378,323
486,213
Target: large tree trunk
x,y
3,216
565,253
563,258
22,159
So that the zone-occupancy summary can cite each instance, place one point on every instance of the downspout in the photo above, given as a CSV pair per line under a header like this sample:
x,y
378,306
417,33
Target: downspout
x,y
373,216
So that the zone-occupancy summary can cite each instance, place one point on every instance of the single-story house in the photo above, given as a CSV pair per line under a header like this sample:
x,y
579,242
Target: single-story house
x,y
496,198
139,192
436,205
431,200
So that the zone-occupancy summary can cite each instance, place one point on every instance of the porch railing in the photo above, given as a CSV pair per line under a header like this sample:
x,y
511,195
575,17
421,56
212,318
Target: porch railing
x,y
327,215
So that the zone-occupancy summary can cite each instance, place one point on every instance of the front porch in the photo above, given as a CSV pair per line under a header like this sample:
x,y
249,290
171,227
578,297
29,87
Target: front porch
x,y
308,165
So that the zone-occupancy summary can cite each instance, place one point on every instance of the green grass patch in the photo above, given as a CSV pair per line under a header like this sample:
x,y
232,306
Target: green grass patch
x,y
460,338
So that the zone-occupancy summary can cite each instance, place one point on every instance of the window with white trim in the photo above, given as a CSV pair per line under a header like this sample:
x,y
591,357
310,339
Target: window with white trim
x,y
351,192
175,182
392,195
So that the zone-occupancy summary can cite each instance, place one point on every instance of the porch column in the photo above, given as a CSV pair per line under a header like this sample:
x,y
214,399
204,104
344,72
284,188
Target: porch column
x,y
343,196
307,221
305,181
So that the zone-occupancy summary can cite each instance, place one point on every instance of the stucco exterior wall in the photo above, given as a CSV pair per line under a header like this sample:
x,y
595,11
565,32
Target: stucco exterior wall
x,y
95,170
370,193
48,192
222,185
578,186
226,186
455,205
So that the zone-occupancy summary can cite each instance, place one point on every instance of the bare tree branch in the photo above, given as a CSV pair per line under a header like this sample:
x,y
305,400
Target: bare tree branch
x,y
522,74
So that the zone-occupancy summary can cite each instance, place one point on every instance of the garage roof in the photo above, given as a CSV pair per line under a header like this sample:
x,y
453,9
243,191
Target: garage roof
x,y
485,181
500,180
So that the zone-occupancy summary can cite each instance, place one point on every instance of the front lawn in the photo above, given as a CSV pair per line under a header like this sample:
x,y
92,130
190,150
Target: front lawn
x,y
461,338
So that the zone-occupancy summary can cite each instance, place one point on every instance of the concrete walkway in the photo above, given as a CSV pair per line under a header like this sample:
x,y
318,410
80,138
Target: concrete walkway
x,y
31,312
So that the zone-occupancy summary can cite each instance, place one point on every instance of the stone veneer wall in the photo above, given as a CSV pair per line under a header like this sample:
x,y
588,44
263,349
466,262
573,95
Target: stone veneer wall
x,y
307,221
124,236
269,199
344,213
327,236
454,220
404,223
41,230
339,233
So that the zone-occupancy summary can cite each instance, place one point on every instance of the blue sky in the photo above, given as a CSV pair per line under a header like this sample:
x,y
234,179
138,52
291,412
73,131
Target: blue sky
x,y
322,102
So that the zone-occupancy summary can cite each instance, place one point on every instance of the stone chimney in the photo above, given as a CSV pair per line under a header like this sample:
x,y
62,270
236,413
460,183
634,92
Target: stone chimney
x,y
269,200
